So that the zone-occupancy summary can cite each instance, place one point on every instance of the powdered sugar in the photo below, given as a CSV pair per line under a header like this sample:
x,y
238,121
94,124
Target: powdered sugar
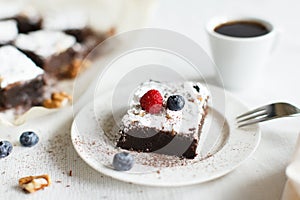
x,y
16,67
65,20
45,42
9,31
9,9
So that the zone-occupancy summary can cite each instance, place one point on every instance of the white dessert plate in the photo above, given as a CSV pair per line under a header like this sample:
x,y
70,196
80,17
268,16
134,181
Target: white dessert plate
x,y
94,134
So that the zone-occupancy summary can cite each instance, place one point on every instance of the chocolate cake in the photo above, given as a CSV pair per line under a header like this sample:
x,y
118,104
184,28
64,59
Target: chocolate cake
x,y
54,51
168,131
21,81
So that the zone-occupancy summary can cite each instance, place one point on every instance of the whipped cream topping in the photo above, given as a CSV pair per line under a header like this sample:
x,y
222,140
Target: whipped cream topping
x,y
185,121
65,20
45,43
9,31
16,67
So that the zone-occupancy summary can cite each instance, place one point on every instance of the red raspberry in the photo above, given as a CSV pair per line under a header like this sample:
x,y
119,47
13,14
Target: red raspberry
x,y
152,101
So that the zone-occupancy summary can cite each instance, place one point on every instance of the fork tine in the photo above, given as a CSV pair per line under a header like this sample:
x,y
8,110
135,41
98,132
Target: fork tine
x,y
254,121
252,112
252,116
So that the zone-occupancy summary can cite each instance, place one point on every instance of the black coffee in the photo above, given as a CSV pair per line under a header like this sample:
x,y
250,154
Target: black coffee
x,y
242,29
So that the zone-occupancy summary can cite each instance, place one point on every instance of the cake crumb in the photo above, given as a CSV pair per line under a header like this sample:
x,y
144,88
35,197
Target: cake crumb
x,y
70,173
111,31
168,116
142,114
32,184
173,132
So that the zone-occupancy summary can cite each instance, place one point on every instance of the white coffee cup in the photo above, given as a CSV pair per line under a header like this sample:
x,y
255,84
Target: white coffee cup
x,y
240,60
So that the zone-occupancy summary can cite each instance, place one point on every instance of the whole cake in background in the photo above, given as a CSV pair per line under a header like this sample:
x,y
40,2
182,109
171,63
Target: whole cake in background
x,y
35,49
165,118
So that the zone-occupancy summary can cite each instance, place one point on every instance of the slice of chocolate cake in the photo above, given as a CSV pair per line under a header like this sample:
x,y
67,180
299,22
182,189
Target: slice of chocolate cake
x,y
54,51
9,31
21,81
165,118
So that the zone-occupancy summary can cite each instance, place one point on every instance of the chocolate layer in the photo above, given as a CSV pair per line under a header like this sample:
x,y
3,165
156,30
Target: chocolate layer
x,y
87,38
25,94
151,140
25,24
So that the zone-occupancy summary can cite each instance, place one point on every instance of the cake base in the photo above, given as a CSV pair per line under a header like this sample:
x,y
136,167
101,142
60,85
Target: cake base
x,y
157,141
27,94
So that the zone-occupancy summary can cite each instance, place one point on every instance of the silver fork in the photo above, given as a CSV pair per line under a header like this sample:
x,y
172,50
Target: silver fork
x,y
267,112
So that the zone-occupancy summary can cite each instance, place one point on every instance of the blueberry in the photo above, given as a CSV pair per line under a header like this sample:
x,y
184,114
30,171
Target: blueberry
x,y
29,139
5,148
175,102
123,161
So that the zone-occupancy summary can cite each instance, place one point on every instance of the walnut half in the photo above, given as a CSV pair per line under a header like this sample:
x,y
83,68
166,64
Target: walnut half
x,y
34,183
58,99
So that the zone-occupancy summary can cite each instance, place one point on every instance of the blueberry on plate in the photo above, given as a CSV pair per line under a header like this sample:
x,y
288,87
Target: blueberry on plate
x,y
29,139
175,102
123,161
5,148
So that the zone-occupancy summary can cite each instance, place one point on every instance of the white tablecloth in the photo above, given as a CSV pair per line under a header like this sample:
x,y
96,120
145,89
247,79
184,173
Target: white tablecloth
x,y
262,176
